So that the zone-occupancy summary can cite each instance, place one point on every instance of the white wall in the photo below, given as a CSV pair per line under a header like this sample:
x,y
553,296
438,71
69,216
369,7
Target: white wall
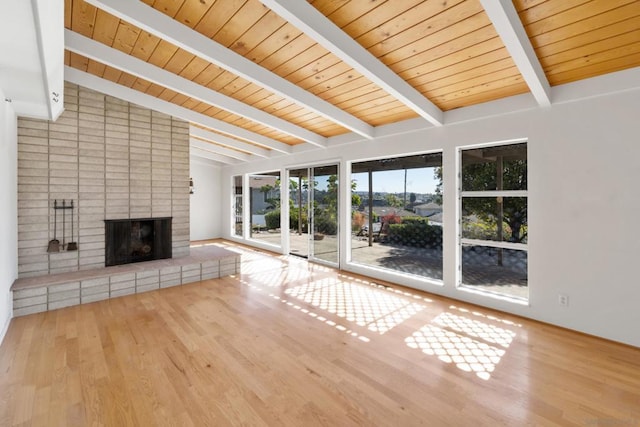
x,y
8,210
206,201
584,175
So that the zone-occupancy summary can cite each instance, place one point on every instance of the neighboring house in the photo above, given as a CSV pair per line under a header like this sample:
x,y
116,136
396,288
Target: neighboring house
x,y
382,211
260,200
428,209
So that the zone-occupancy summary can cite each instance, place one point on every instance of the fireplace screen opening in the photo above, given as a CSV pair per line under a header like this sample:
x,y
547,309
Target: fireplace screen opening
x,y
137,240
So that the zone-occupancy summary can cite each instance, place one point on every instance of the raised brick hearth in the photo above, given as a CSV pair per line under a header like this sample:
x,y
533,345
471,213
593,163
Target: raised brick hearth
x,y
43,293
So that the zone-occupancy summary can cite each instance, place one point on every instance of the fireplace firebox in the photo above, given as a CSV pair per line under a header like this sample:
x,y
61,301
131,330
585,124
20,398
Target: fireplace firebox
x,y
137,240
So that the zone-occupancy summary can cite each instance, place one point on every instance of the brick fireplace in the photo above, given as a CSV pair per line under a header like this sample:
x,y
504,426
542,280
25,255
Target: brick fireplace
x,y
116,160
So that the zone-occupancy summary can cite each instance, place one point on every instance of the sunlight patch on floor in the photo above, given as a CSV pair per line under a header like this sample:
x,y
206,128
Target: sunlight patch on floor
x,y
321,318
464,341
476,329
378,310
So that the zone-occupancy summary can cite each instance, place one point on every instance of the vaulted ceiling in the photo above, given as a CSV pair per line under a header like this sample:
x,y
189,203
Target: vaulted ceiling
x,y
256,78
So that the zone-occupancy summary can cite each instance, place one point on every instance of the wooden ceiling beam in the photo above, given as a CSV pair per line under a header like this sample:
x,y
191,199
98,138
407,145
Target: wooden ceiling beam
x,y
217,149
205,154
226,141
131,95
507,23
104,54
163,26
315,25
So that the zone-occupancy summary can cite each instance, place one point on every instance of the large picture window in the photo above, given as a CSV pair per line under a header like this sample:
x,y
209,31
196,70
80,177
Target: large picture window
x,y
397,214
493,219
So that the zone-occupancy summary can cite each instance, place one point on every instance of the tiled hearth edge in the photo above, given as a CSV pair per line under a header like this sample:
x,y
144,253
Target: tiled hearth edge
x,y
44,293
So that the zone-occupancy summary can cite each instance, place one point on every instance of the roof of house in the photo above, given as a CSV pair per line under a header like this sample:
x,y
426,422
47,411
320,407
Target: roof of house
x,y
430,205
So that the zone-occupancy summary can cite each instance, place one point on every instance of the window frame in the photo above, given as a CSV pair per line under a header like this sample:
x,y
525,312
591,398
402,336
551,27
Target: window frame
x,y
462,241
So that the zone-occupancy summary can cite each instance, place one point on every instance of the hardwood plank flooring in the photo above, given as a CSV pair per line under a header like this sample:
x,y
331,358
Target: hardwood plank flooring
x,y
287,342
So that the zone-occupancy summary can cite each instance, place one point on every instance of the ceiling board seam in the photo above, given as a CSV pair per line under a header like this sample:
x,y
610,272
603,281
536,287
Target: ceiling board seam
x,y
151,20
131,95
317,26
181,86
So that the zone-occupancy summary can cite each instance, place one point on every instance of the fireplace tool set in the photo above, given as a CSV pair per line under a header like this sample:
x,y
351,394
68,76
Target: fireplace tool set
x,y
54,244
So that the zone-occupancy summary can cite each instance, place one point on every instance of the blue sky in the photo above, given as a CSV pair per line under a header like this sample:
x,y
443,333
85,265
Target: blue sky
x,y
418,181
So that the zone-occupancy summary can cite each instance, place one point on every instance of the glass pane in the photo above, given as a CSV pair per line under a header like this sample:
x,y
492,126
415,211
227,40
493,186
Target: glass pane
x,y
325,213
299,212
237,206
501,167
399,228
265,207
501,271
482,217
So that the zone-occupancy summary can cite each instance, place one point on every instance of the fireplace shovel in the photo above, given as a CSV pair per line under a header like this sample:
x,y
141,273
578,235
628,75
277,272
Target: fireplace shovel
x,y
72,246
54,244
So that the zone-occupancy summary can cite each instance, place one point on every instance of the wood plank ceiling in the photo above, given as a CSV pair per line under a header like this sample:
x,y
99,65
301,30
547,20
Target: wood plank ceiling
x,y
446,50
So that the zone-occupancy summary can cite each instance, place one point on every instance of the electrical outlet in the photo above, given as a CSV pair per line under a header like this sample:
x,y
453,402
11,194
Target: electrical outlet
x,y
563,300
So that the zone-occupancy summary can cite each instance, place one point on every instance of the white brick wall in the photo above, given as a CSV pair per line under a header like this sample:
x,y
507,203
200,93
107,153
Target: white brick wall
x,y
115,160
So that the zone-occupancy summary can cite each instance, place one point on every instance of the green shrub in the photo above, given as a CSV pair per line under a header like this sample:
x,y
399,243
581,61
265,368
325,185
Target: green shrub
x,y
326,225
416,233
415,220
272,219
293,219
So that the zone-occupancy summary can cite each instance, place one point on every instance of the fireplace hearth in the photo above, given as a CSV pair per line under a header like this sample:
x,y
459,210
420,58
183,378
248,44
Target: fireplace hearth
x,y
137,240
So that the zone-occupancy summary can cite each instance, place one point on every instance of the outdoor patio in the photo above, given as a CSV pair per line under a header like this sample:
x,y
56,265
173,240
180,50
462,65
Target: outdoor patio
x,y
480,265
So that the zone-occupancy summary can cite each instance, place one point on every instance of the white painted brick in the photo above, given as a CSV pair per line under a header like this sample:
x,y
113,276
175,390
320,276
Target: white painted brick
x,y
95,290
29,292
122,285
30,310
210,270
190,279
63,287
32,123
90,283
60,296
191,267
148,281
122,292
146,288
54,305
56,264
86,299
86,265
170,282
228,261
32,157
63,135
32,132
170,270
36,268
210,275
32,148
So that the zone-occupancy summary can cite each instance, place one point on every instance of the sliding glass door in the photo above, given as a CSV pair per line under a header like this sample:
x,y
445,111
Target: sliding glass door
x,y
299,212
313,213
324,217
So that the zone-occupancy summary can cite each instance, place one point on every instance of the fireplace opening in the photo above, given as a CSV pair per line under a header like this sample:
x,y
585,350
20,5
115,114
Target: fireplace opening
x,y
137,240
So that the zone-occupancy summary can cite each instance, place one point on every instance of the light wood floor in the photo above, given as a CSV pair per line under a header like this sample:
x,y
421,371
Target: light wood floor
x,y
291,343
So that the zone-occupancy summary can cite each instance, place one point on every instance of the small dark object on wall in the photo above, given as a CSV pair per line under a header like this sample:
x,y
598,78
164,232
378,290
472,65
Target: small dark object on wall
x,y
54,244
